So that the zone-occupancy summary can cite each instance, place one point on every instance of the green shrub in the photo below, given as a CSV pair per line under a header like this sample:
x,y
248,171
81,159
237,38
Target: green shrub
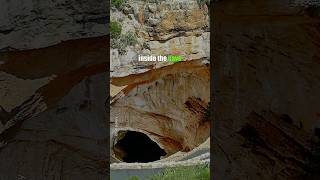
x,y
115,29
145,45
201,172
130,38
121,41
117,3
134,178
120,45
124,40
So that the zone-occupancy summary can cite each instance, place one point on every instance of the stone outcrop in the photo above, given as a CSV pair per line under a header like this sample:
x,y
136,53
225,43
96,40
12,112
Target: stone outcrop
x,y
266,79
162,28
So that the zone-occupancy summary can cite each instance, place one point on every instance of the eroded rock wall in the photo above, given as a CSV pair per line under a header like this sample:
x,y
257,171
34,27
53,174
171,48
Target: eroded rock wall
x,y
168,104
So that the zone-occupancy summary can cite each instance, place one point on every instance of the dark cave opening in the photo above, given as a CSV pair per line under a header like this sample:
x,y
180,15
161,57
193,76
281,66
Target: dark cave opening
x,y
137,147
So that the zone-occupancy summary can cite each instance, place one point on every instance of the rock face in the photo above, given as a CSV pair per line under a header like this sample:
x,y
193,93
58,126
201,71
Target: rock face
x,y
33,24
58,124
52,107
167,104
15,91
162,28
72,137
266,79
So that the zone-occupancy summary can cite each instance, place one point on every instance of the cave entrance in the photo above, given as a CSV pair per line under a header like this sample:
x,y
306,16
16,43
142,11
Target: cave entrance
x,y
137,147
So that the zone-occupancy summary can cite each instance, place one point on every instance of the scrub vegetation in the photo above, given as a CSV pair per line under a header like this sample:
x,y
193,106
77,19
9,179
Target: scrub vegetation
x,y
119,40
201,172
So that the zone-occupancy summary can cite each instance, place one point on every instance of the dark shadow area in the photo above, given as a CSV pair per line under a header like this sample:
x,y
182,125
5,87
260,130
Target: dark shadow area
x,y
54,119
137,147
261,52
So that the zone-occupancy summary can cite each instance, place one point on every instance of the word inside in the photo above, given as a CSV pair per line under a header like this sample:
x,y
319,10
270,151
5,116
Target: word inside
x,y
171,58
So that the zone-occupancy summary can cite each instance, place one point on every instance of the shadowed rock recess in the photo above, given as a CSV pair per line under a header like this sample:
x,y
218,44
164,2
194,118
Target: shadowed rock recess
x,y
137,147
267,84
53,65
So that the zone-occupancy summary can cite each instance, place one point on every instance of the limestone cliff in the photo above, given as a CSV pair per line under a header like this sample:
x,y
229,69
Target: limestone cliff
x,y
162,28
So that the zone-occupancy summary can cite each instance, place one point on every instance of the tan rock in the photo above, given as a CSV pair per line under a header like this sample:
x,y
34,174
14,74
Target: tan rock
x,y
167,104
